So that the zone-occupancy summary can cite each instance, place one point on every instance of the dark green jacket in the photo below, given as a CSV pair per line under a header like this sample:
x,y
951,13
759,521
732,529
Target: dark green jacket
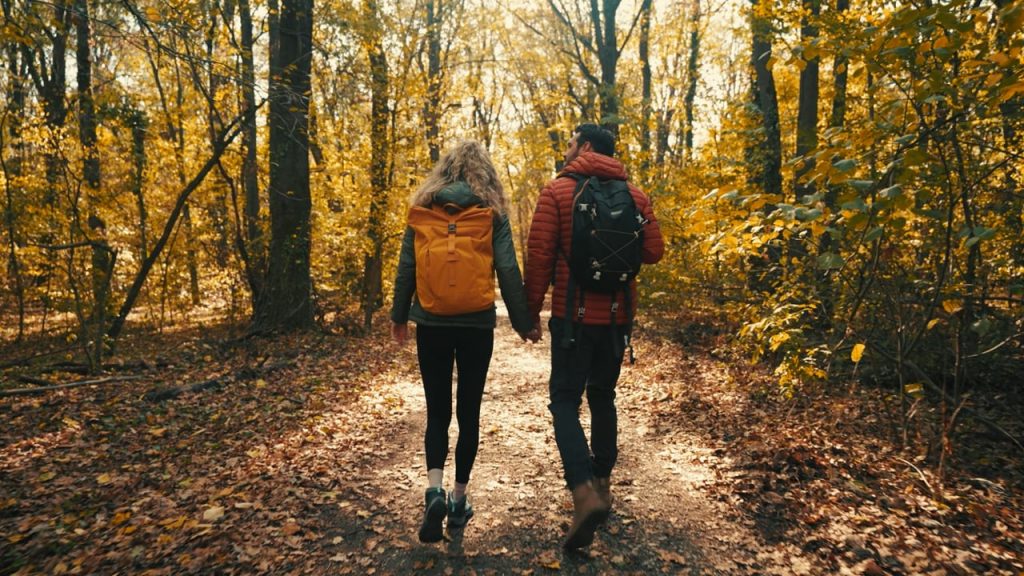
x,y
406,306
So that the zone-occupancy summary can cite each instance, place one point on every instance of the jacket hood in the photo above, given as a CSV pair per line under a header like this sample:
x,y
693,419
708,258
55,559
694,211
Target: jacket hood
x,y
594,164
458,193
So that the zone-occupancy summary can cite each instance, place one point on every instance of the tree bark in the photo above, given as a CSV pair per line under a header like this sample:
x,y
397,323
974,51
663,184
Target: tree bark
x,y
765,153
380,150
254,249
287,303
837,119
691,78
102,257
12,170
608,55
645,88
807,107
432,108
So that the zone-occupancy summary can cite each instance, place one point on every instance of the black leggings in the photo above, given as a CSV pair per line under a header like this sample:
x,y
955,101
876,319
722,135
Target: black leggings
x,y
438,348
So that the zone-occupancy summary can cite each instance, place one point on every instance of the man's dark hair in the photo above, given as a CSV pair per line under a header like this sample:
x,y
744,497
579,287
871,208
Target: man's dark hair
x,y
601,140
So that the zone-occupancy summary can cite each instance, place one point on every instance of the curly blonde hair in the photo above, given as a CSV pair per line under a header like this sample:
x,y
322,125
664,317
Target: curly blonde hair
x,y
467,161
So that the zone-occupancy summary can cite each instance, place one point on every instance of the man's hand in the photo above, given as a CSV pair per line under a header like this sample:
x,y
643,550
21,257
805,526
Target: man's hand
x,y
533,335
400,332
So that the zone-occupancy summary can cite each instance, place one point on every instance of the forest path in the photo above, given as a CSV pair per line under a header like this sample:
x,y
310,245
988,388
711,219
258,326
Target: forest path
x,y
662,522
306,457
303,455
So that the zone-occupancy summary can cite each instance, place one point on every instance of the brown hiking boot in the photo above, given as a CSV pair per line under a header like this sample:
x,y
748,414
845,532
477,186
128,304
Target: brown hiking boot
x,y
589,511
604,490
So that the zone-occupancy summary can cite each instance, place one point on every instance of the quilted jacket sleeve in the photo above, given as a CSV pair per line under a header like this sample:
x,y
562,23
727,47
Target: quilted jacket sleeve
x,y
405,279
509,279
542,247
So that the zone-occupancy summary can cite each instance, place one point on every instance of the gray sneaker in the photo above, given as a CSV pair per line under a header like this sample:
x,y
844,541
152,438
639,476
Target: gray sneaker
x,y
433,516
459,512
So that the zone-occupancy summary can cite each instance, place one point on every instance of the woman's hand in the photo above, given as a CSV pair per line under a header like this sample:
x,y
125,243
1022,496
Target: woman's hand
x,y
400,332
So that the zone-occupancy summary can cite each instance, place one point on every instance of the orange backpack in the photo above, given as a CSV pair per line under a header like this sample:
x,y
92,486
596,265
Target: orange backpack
x,y
454,258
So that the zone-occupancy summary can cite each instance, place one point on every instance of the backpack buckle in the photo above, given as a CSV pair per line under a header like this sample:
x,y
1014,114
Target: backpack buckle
x,y
451,228
615,307
580,311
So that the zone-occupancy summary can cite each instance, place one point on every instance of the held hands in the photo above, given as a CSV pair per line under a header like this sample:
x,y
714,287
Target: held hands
x,y
400,332
533,335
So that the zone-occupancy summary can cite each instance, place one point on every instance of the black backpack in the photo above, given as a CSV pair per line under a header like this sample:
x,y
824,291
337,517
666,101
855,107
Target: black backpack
x,y
607,235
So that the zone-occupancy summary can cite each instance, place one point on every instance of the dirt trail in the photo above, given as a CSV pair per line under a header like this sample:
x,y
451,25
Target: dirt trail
x,y
662,522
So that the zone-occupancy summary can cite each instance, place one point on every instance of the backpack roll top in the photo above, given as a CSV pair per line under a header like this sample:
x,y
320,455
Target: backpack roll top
x,y
454,258
607,236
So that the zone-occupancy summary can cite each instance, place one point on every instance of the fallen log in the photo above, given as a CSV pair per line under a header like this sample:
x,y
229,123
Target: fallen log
x,y
40,389
245,373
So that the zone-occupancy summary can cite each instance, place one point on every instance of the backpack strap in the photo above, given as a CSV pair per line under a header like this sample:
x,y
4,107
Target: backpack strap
x,y
573,315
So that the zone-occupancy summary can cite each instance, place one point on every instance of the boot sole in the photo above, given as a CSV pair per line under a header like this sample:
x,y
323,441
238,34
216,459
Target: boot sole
x,y
585,535
456,522
431,530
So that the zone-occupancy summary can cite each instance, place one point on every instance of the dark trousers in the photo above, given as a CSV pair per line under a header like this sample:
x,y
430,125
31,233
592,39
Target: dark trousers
x,y
590,365
438,349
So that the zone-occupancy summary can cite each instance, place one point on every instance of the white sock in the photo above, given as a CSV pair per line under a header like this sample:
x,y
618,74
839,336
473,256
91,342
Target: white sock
x,y
460,491
435,477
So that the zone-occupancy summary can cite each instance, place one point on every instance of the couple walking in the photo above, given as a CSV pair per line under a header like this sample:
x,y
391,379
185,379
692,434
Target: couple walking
x,y
460,212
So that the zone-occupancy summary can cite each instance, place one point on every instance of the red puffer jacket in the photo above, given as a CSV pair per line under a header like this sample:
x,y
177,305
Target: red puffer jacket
x,y
551,235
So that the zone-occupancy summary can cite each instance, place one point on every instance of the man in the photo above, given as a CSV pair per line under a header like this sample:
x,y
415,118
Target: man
x,y
586,341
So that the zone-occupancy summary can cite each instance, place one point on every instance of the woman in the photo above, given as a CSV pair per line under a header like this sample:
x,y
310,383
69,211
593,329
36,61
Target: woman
x,y
463,181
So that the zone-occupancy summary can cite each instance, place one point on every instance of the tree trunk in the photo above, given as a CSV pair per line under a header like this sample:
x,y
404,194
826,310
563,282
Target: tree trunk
x,y
765,153
807,107
139,124
608,55
645,88
837,119
768,153
287,302
379,152
432,108
12,170
254,251
102,257
691,78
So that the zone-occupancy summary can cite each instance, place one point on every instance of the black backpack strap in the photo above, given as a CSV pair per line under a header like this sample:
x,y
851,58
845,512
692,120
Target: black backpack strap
x,y
573,315
627,338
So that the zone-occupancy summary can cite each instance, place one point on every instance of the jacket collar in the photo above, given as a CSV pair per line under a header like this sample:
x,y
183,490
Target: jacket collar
x,y
594,164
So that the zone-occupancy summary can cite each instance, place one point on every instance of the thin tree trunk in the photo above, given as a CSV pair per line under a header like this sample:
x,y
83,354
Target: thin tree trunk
x,y
765,154
608,55
691,78
102,257
768,156
645,87
380,150
139,124
807,107
254,248
837,119
12,170
432,109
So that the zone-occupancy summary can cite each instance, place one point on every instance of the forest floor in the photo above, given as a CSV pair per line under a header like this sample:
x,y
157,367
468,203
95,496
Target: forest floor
x,y
304,455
